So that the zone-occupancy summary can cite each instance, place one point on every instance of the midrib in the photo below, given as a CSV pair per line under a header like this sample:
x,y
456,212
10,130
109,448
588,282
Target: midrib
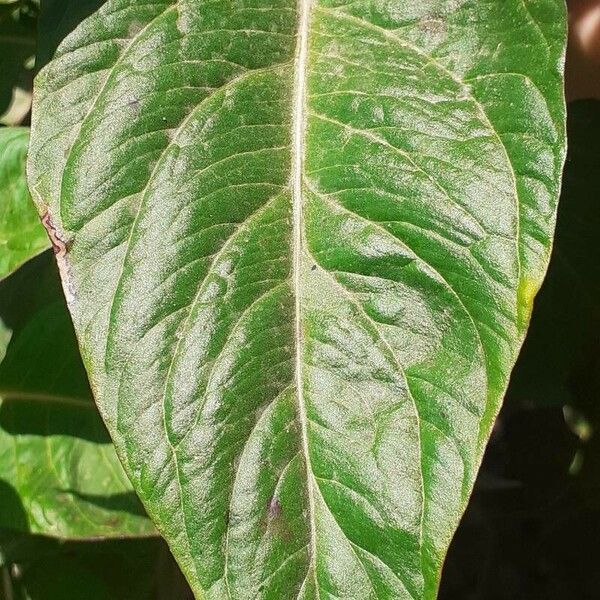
x,y
297,164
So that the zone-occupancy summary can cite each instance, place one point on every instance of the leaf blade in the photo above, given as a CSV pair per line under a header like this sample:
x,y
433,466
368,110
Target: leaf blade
x,y
367,229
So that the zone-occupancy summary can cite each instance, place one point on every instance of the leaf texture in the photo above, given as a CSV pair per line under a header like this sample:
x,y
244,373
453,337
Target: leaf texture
x,y
59,474
300,244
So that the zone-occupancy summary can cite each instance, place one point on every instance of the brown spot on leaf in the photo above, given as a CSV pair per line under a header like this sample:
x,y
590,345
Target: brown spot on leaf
x,y
59,245
274,508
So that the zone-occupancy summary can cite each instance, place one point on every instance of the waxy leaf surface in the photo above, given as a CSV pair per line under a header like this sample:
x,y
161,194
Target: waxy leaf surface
x,y
300,243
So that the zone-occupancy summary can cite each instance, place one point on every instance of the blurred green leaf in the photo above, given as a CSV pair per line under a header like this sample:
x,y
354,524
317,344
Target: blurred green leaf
x,y
59,474
17,51
21,233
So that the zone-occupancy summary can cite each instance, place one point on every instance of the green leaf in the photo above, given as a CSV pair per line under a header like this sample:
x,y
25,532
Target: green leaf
x,y
300,244
59,475
21,233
